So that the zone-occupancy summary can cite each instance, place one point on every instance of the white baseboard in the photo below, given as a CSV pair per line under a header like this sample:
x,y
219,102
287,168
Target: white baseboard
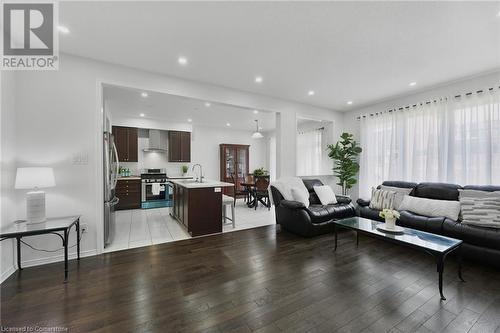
x,y
7,273
46,260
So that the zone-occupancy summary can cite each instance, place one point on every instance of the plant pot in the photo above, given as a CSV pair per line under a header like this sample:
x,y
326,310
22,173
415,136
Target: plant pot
x,y
390,223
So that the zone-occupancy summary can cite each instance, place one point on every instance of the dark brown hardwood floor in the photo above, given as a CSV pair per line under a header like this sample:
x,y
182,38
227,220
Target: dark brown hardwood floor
x,y
255,280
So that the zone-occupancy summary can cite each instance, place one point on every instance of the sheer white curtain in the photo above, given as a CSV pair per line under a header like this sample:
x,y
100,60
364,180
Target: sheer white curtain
x,y
309,154
446,141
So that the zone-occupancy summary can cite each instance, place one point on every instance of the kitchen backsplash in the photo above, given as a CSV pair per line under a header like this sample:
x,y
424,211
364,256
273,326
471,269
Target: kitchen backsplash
x,y
152,160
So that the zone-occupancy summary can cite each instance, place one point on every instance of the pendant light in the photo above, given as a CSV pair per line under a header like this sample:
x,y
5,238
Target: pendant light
x,y
257,134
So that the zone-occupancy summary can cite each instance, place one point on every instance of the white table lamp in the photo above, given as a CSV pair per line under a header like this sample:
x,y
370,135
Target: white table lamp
x,y
35,178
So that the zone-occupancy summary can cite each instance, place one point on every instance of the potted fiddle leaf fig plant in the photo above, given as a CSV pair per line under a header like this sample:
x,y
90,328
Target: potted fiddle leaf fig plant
x,y
345,154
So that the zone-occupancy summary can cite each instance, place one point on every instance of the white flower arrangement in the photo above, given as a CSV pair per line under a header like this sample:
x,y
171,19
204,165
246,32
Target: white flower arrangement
x,y
389,214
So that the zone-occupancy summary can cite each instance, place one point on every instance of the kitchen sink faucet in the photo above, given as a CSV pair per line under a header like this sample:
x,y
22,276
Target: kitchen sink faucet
x,y
200,178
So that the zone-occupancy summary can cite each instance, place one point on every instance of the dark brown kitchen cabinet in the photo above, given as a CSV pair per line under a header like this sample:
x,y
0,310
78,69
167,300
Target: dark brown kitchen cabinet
x,y
129,193
179,146
126,143
234,163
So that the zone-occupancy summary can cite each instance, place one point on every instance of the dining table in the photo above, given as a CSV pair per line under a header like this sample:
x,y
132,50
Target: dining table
x,y
249,185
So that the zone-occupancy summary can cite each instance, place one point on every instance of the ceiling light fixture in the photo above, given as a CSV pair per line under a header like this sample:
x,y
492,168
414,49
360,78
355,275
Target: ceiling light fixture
x,y
257,134
311,92
207,104
228,124
142,115
182,61
190,120
255,111
144,94
63,29
349,102
411,84
498,14
258,79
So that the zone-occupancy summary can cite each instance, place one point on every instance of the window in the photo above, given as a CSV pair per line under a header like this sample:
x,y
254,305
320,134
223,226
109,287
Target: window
x,y
454,141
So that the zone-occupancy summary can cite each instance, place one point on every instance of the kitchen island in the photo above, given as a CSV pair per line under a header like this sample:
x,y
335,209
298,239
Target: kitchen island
x,y
198,206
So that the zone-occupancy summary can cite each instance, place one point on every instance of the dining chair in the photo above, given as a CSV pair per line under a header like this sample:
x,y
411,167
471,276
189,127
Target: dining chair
x,y
237,191
261,191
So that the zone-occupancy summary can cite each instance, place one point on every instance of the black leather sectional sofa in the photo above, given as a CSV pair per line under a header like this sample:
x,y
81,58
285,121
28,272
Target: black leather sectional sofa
x,y
481,244
314,220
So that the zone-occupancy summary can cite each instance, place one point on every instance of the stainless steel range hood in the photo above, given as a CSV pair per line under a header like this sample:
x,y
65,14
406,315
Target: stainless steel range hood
x,y
157,141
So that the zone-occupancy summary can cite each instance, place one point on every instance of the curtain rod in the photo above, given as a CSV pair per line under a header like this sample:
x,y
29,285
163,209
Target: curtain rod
x,y
312,130
426,103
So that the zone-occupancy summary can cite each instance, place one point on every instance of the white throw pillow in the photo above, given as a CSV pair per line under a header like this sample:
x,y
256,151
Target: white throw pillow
x,y
400,194
431,207
286,184
299,196
382,199
325,194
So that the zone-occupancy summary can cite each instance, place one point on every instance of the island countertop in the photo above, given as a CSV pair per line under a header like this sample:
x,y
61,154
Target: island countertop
x,y
207,183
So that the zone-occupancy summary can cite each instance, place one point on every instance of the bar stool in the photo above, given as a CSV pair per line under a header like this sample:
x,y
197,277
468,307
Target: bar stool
x,y
227,201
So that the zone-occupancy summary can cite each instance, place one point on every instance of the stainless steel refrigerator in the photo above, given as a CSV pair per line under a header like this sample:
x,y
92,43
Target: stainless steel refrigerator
x,y
111,168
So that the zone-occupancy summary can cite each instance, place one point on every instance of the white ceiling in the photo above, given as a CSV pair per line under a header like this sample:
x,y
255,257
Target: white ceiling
x,y
359,51
128,103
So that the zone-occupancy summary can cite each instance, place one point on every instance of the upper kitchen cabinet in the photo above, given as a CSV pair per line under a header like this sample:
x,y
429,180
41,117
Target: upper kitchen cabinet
x,y
179,146
126,143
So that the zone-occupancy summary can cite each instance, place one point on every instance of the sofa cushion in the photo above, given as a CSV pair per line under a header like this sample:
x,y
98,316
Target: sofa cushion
x,y
320,213
437,191
399,184
419,222
480,236
431,207
487,188
368,213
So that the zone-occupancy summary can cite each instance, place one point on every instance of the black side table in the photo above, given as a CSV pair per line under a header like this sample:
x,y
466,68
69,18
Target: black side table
x,y
59,226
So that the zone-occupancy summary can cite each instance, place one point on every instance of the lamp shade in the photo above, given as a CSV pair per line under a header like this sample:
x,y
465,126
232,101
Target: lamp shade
x,y
34,177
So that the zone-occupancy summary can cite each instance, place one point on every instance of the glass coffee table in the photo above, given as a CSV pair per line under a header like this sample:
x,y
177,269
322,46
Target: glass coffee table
x,y
436,245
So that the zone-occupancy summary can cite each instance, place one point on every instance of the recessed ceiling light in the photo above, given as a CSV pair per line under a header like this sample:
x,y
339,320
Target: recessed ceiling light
x,y
498,14
142,115
190,120
228,124
258,79
182,60
411,84
207,104
349,102
255,111
63,29
311,92
144,94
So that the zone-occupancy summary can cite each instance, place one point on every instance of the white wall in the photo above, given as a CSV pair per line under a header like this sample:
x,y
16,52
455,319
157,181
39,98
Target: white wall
x,y
351,124
58,113
8,168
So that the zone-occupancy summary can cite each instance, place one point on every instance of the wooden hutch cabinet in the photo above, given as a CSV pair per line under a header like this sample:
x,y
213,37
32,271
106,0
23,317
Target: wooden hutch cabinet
x,y
234,161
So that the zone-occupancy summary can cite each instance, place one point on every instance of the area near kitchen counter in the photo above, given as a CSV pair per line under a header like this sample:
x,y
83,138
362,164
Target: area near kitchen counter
x,y
198,205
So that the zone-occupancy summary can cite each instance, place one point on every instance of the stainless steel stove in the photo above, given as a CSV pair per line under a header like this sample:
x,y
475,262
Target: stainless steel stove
x,y
156,191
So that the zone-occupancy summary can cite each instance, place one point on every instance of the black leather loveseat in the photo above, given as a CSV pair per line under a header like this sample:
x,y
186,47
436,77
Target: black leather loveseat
x,y
479,243
314,220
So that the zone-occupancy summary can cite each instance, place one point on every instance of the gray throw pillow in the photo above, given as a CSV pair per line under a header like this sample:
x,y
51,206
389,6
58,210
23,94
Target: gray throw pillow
x,y
382,199
480,208
400,194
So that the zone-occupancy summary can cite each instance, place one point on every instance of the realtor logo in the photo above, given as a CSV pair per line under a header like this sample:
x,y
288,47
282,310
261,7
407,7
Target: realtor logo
x,y
29,38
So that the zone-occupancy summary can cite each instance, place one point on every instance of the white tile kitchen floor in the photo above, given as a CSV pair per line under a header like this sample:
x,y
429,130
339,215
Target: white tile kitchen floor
x,y
144,227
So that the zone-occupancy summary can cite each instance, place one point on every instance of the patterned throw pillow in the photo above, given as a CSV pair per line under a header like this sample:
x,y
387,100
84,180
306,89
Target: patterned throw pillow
x,y
480,208
382,199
